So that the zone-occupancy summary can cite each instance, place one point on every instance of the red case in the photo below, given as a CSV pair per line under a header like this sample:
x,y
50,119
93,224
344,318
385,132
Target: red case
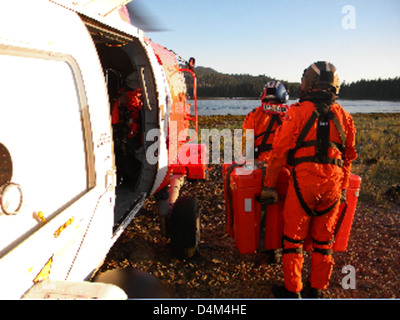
x,y
243,222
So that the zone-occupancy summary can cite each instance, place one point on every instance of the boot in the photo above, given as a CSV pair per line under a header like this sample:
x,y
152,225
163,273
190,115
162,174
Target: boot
x,y
315,293
273,256
310,292
283,293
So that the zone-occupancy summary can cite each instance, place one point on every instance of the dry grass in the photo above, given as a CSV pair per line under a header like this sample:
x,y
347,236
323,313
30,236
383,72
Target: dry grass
x,y
378,163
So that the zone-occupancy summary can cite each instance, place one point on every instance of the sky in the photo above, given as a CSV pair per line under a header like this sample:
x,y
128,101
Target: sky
x,y
282,38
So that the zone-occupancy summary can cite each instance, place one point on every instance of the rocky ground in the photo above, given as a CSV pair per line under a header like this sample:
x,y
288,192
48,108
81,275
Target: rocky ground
x,y
219,271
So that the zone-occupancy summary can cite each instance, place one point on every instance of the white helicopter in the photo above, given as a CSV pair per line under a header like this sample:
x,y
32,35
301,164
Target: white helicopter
x,y
70,182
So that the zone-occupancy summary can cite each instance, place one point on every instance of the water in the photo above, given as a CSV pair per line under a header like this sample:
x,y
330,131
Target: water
x,y
244,106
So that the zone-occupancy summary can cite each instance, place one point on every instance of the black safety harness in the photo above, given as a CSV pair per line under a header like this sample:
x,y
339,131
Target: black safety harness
x,y
322,114
263,147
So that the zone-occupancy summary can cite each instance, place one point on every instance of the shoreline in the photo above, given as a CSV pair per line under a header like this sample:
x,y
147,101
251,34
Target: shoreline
x,y
292,98
238,117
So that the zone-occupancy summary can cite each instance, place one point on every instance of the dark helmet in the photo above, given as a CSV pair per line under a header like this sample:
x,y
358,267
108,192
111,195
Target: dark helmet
x,y
274,91
321,75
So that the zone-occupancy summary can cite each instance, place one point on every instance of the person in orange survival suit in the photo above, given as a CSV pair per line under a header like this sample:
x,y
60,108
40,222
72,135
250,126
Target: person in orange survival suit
x,y
126,119
267,118
317,137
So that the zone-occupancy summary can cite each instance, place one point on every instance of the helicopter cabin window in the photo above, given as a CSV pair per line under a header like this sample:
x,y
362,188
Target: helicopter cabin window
x,y
41,125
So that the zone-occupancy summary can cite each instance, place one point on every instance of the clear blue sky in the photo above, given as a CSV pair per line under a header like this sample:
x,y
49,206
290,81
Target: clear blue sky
x,y
281,38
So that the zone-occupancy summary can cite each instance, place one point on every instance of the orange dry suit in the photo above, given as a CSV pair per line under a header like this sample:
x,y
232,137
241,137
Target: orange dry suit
x,y
320,149
132,101
264,120
127,124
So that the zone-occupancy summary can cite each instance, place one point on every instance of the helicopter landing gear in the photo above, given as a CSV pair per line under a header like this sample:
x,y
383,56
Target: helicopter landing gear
x,y
179,219
185,227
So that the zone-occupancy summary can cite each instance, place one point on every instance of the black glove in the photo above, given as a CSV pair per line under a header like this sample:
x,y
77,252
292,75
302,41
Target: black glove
x,y
269,195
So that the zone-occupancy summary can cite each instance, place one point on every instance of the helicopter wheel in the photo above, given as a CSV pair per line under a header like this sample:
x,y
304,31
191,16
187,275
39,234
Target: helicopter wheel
x,y
185,227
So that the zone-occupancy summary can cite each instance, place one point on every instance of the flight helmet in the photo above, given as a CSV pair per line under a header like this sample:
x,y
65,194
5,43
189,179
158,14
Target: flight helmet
x,y
321,75
274,91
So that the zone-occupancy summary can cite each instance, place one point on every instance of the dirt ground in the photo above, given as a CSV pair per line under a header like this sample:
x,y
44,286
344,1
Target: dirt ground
x,y
218,270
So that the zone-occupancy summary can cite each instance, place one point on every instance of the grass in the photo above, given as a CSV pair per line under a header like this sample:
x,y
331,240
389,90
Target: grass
x,y
378,163
377,145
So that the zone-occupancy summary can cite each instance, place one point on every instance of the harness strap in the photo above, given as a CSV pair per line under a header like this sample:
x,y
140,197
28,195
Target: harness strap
x,y
313,143
302,136
306,128
325,252
288,239
293,250
298,250
339,127
264,146
324,243
306,208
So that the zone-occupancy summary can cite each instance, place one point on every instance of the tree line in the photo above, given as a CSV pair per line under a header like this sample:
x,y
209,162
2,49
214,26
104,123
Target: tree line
x,y
211,84
381,89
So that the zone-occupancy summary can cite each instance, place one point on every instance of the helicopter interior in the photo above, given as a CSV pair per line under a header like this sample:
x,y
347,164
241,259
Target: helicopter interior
x,y
126,67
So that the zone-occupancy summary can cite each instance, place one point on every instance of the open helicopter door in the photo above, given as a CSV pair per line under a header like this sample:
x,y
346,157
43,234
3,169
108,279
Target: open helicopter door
x,y
128,65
